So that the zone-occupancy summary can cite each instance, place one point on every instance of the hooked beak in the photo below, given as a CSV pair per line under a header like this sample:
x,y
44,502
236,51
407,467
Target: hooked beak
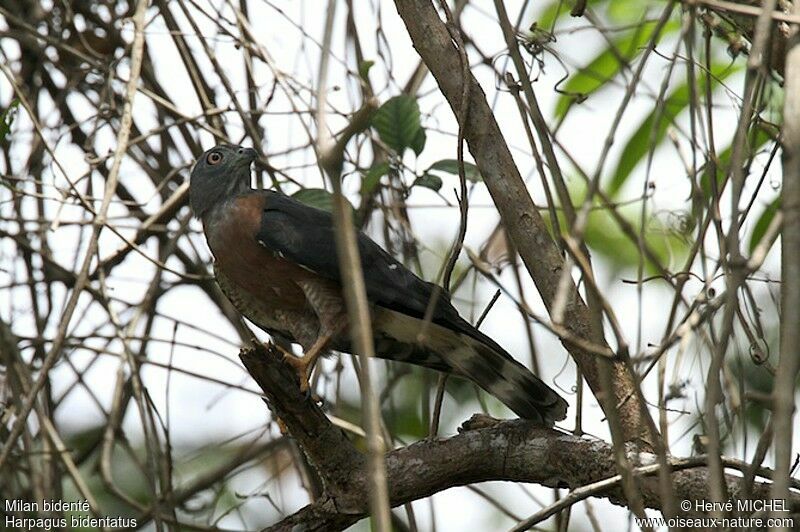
x,y
248,154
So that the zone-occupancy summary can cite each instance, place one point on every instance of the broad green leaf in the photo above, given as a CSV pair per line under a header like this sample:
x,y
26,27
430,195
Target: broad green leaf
x,y
763,223
398,125
431,181
555,10
606,65
627,12
643,139
315,197
318,198
654,128
372,177
597,73
551,12
451,167
604,236
7,118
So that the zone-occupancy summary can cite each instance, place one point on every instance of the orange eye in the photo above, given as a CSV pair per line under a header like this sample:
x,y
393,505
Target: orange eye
x,y
214,157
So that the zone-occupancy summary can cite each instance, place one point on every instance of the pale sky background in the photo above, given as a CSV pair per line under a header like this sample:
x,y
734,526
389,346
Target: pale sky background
x,y
202,413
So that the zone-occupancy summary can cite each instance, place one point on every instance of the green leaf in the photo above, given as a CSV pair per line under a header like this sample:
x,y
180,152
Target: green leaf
x,y
372,177
581,84
7,118
763,223
647,136
626,12
318,198
606,65
605,237
363,69
315,197
418,144
550,13
431,181
652,131
450,166
398,124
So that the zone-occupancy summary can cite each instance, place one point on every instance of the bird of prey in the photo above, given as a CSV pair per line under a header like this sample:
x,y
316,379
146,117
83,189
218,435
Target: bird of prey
x,y
276,260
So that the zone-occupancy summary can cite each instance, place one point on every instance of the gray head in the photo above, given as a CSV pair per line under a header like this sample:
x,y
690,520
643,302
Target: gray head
x,y
222,172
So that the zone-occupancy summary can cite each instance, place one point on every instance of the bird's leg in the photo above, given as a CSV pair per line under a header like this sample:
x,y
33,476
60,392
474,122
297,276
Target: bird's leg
x,y
325,299
285,352
305,364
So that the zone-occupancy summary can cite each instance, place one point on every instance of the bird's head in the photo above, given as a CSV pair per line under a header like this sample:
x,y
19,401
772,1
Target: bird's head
x,y
221,172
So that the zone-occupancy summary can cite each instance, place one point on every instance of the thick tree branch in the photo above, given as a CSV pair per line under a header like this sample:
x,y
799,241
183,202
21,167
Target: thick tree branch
x,y
522,221
328,449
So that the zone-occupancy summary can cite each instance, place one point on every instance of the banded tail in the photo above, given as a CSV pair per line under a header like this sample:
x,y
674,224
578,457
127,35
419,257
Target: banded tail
x,y
471,354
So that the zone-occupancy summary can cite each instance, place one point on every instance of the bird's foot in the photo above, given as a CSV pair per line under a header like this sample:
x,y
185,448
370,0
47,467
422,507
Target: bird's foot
x,y
478,421
302,366
285,352
299,365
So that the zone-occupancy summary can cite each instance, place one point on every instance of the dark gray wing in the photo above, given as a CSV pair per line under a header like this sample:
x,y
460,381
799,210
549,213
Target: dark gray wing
x,y
305,235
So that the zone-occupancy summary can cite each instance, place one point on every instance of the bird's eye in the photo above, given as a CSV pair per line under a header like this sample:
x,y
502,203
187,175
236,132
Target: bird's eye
x,y
214,157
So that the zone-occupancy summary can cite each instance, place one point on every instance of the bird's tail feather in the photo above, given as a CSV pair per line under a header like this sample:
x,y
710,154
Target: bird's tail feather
x,y
494,371
508,380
